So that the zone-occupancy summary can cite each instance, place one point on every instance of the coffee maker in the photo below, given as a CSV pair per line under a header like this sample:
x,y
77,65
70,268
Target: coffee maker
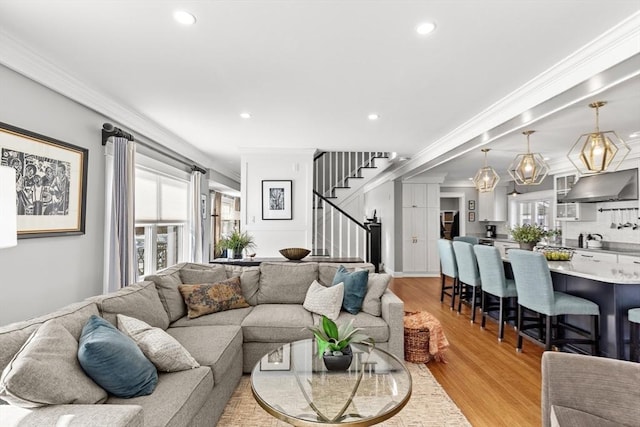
x,y
491,231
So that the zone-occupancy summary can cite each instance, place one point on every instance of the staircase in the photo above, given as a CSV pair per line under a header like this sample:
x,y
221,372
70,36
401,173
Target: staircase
x,y
338,179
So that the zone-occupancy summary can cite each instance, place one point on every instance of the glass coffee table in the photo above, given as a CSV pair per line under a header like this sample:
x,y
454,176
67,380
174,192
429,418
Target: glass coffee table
x,y
292,384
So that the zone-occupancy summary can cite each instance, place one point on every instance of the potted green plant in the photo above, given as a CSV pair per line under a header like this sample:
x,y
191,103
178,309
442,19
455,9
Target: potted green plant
x,y
334,342
528,235
237,242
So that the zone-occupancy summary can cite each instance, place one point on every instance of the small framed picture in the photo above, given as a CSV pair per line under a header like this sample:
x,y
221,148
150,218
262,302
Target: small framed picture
x,y
277,360
276,199
472,217
472,205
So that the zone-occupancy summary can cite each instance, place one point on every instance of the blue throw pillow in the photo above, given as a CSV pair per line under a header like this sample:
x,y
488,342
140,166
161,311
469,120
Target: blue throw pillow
x,y
355,288
114,361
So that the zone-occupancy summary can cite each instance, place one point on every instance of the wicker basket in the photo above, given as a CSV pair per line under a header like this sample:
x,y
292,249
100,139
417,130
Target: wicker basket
x,y
416,345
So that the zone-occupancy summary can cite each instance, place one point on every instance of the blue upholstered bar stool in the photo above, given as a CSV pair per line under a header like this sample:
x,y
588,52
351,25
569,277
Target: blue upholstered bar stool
x,y
535,292
494,283
634,332
469,239
468,274
448,268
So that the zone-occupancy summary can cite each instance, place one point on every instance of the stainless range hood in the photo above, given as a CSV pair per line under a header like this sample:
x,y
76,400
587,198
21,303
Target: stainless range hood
x,y
606,187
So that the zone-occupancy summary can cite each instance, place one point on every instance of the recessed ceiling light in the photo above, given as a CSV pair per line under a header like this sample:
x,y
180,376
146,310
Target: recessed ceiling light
x,y
245,115
635,134
184,17
373,116
425,28
546,159
404,159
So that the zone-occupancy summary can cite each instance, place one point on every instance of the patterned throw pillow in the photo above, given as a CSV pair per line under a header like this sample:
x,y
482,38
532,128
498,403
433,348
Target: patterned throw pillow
x,y
213,297
324,301
161,349
355,288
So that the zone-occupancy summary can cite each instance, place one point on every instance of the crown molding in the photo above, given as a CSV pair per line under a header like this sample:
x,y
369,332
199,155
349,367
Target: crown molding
x,y
23,60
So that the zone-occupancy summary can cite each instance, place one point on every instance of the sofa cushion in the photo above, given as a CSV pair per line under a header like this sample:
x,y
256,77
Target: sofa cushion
x,y
114,361
324,301
376,285
229,317
285,283
46,372
167,286
176,399
249,280
160,348
73,317
72,416
568,417
373,326
327,270
277,323
355,288
213,346
192,275
140,300
213,297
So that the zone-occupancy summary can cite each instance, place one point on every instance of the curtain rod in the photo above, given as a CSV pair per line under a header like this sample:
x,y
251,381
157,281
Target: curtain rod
x,y
108,130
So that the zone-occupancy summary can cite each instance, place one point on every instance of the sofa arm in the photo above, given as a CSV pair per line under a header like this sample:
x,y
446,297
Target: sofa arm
x,y
393,314
606,388
72,415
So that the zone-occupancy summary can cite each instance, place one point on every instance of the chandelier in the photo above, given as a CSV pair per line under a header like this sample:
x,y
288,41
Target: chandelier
x,y
486,178
529,168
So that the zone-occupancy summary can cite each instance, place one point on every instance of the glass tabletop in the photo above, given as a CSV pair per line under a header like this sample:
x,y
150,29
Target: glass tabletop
x,y
292,384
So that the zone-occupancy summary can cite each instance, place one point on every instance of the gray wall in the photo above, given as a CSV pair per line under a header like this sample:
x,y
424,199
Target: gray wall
x,y
40,275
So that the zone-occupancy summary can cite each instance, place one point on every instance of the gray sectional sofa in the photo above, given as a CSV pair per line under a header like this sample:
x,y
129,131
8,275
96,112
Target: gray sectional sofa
x,y
226,344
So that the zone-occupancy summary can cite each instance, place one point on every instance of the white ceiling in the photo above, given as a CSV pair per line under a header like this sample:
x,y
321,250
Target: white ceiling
x,y
310,71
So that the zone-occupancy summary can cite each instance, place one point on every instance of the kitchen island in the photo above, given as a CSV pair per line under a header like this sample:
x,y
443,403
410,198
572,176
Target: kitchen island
x,y
614,287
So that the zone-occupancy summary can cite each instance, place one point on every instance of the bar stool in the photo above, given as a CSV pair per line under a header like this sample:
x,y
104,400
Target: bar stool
x,y
634,332
468,274
535,292
448,268
494,283
469,239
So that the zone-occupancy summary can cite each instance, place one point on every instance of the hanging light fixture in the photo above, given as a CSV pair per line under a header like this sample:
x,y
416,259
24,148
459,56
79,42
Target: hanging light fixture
x,y
529,168
486,178
514,192
597,150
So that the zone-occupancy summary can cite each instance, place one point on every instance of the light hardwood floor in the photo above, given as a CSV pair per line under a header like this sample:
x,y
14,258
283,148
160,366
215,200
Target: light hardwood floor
x,y
491,383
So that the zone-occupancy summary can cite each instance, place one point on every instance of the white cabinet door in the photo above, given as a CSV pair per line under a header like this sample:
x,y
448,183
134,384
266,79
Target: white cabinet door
x,y
414,239
595,256
414,195
628,259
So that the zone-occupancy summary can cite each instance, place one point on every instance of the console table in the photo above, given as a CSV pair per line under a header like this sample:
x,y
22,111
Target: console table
x,y
252,262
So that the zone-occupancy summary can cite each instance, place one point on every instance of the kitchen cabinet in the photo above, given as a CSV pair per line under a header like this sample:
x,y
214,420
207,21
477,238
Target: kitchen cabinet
x,y
628,259
414,239
595,256
571,211
492,205
414,195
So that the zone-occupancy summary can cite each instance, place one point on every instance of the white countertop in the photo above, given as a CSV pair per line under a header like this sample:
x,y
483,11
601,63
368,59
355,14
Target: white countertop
x,y
609,272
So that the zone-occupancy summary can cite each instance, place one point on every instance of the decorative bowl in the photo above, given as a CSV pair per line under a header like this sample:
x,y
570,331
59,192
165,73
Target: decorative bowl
x,y
557,254
294,254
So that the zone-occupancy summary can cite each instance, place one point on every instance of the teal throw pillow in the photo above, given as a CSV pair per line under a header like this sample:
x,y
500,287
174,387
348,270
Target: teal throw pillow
x,y
114,361
355,288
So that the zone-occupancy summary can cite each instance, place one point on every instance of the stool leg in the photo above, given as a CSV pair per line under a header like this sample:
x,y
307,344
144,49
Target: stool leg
x,y
548,330
473,304
483,304
442,288
501,321
634,330
519,323
461,286
454,290
595,335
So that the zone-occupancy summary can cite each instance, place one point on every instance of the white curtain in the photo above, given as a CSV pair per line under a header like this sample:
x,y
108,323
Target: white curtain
x,y
120,247
195,218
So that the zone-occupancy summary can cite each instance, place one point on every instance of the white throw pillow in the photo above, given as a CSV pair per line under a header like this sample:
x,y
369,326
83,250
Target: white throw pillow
x,y
376,286
46,371
324,301
161,349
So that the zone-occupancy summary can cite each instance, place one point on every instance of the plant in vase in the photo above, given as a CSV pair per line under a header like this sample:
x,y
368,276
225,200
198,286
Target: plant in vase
x,y
334,341
528,235
237,242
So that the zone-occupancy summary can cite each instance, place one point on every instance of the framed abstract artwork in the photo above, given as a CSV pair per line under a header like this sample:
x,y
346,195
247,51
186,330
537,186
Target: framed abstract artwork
x,y
51,182
276,199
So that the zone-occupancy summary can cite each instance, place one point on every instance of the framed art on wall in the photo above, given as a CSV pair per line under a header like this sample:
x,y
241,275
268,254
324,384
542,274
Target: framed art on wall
x,y
472,217
276,199
51,182
472,205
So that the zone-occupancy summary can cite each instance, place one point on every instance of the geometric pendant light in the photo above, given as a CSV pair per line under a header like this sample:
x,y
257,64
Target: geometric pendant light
x,y
529,168
594,152
486,178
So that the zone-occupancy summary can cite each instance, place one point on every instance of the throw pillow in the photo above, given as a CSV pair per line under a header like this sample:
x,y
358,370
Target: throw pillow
x,y
376,286
46,371
161,349
114,361
324,301
213,297
355,288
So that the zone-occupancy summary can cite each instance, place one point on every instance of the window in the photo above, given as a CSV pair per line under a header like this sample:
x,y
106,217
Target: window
x,y
532,208
161,219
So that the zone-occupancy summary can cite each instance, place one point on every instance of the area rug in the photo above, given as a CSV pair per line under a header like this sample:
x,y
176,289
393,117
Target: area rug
x,y
429,406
